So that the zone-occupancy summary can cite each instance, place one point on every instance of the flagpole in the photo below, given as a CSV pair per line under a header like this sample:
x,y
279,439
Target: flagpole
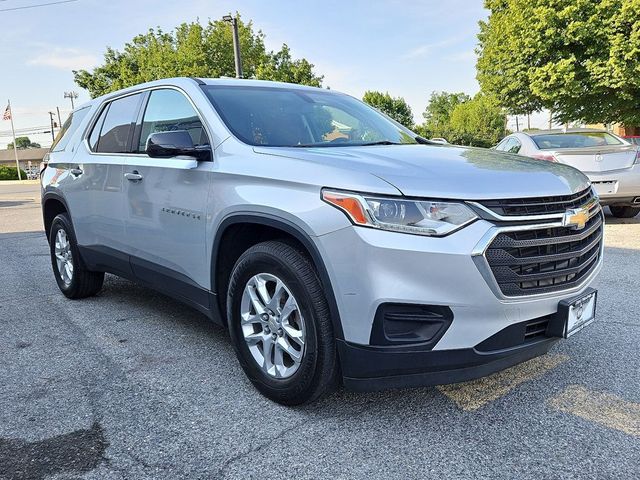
x,y
15,145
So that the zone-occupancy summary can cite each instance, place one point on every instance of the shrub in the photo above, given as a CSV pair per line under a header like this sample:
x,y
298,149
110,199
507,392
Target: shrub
x,y
11,173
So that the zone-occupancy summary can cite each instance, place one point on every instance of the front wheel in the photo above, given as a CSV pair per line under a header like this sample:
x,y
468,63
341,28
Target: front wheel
x,y
280,325
624,212
73,279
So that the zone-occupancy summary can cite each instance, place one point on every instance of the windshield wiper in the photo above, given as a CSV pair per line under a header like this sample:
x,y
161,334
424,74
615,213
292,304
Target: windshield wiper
x,y
380,142
346,144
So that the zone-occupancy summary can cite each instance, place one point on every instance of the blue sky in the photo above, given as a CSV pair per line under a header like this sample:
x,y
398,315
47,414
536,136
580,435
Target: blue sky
x,y
408,48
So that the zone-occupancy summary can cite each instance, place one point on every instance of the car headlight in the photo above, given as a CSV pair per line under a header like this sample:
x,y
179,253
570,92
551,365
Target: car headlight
x,y
422,217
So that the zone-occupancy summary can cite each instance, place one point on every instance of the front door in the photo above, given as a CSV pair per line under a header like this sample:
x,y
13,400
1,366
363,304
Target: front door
x,y
165,202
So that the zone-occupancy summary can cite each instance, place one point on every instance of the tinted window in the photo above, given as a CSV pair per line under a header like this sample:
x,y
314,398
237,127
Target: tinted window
x,y
95,133
575,140
169,110
302,118
68,129
117,125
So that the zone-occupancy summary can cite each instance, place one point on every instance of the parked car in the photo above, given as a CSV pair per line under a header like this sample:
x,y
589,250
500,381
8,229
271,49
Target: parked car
x,y
611,163
373,257
634,139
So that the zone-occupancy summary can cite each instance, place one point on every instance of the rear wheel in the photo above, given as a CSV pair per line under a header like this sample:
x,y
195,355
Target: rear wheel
x,y
73,279
280,325
624,212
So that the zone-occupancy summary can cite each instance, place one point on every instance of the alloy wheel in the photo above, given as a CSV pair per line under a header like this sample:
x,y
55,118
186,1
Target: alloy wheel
x,y
272,325
64,257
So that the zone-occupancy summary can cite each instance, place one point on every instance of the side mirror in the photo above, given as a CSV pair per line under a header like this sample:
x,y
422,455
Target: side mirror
x,y
175,143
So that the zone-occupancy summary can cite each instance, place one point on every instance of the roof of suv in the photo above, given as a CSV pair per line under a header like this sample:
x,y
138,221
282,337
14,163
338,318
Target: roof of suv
x,y
254,83
180,81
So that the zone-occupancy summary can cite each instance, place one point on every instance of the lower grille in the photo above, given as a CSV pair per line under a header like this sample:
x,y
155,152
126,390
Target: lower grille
x,y
536,261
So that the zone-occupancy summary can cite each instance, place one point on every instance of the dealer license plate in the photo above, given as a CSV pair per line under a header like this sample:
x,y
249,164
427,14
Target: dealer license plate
x,y
581,312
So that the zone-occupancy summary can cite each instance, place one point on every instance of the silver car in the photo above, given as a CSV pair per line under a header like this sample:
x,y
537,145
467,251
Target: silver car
x,y
611,163
334,244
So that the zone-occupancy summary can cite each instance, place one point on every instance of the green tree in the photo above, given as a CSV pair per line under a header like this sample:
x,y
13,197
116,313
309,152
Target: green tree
x,y
193,50
437,115
462,120
396,107
578,58
281,67
22,143
479,122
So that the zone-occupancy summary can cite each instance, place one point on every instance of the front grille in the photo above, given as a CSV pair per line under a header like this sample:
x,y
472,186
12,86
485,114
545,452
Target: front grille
x,y
544,260
539,205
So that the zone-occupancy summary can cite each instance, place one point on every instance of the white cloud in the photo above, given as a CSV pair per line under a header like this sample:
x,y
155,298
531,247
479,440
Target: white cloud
x,y
426,49
65,59
465,56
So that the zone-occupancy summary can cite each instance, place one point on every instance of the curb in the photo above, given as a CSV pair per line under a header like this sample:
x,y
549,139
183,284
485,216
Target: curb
x,y
19,182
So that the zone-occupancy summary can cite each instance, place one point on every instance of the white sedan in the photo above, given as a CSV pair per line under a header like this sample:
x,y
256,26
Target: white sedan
x,y
611,163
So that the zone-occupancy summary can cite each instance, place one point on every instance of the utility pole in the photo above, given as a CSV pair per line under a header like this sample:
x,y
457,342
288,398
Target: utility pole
x,y
71,96
53,135
59,119
528,121
517,124
233,21
13,133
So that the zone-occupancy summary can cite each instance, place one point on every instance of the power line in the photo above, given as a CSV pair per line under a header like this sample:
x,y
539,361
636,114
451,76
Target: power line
x,y
37,5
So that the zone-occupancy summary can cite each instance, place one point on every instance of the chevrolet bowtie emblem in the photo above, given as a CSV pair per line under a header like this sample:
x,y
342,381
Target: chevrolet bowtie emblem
x,y
576,218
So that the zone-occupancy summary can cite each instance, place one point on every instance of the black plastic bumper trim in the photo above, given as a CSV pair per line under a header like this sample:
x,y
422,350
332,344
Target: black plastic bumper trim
x,y
370,369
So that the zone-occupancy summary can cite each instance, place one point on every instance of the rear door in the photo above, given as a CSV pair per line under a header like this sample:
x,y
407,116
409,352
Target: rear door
x,y
95,193
165,201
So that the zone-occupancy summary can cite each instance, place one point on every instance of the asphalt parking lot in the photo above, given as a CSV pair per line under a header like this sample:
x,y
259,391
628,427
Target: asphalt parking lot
x,y
133,385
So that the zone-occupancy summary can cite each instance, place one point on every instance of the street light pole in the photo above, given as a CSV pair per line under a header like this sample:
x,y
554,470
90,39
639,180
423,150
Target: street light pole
x,y
236,43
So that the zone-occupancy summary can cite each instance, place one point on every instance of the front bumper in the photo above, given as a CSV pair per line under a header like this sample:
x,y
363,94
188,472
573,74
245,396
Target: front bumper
x,y
617,187
369,268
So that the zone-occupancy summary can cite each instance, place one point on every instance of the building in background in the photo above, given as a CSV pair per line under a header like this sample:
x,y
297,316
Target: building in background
x,y
28,157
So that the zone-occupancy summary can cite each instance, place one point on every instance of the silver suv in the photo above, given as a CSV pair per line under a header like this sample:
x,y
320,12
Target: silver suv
x,y
334,244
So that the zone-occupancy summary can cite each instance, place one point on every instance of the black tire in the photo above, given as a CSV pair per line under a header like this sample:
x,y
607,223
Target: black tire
x,y
84,283
624,212
318,368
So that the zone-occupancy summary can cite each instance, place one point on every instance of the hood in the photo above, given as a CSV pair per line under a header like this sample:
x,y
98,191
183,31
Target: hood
x,y
447,172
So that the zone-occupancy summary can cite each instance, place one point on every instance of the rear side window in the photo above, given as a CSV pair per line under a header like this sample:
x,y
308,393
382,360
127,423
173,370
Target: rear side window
x,y
112,132
68,129
169,110
511,145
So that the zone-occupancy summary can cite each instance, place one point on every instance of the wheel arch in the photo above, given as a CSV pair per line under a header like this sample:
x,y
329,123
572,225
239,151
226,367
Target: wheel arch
x,y
53,204
271,227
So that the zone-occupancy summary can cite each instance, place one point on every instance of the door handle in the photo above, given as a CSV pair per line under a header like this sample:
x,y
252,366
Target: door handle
x,y
133,176
76,171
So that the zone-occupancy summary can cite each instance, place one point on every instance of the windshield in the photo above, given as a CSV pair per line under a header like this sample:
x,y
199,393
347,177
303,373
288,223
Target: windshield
x,y
575,140
282,117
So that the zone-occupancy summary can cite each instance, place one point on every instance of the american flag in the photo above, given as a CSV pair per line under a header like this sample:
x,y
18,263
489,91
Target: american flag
x,y
7,113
